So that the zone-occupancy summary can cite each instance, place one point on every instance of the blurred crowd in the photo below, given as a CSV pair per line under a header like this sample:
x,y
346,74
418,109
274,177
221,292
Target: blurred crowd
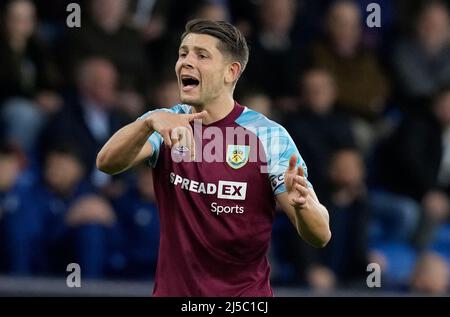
x,y
368,108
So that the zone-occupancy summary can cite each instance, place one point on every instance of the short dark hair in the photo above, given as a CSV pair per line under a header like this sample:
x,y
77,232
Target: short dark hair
x,y
231,40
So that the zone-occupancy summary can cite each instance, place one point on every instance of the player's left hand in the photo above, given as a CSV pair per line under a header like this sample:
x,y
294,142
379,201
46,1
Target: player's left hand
x,y
296,185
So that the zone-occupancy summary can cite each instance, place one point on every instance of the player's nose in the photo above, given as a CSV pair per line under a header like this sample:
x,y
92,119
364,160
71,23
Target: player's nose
x,y
187,64
188,61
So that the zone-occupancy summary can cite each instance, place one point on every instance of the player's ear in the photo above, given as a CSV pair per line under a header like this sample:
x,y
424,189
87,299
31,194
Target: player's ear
x,y
233,71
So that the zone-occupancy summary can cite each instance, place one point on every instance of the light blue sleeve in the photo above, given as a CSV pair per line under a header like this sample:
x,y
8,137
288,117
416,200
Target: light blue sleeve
x,y
278,147
155,138
279,153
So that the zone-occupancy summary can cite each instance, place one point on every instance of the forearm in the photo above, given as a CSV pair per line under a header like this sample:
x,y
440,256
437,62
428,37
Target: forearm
x,y
312,223
122,149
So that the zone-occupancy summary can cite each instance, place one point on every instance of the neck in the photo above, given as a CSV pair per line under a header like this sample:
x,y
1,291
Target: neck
x,y
217,109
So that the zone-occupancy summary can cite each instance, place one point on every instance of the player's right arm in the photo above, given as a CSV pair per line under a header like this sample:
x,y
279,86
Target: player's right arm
x,y
126,148
129,146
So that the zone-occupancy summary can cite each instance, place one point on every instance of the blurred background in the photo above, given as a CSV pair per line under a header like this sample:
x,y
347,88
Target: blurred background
x,y
369,109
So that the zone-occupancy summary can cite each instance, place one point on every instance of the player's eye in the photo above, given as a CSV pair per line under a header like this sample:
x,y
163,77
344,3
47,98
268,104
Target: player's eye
x,y
182,54
202,56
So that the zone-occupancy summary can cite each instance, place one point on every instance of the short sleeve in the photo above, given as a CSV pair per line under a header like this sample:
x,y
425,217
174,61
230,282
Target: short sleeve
x,y
155,138
279,151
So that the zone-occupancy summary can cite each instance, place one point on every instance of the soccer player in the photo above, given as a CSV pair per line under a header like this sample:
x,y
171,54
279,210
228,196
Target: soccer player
x,y
216,214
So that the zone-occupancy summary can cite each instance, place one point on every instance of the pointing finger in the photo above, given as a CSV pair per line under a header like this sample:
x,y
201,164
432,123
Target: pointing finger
x,y
198,115
292,162
166,138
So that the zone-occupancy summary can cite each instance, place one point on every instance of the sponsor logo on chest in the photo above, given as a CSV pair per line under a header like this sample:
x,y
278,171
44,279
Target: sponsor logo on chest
x,y
223,189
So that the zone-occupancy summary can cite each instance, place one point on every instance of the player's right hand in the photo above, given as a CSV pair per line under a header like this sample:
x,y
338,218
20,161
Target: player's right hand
x,y
174,128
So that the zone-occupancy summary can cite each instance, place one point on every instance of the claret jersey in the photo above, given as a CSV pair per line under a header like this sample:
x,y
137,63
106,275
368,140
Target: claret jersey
x,y
216,212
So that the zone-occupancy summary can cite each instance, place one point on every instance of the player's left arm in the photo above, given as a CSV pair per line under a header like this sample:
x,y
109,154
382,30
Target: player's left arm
x,y
303,208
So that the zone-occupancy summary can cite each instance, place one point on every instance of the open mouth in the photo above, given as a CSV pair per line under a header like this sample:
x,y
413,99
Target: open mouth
x,y
189,82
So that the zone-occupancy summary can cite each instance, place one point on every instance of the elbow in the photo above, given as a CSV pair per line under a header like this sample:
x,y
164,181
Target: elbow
x,y
326,239
103,164
323,239
319,240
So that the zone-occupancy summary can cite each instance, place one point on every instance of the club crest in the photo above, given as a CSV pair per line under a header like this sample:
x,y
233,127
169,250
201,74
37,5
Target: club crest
x,y
237,155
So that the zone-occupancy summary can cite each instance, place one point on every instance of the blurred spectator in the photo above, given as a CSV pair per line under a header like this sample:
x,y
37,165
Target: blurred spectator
x,y
318,128
138,227
90,117
52,19
58,221
362,85
177,13
259,102
105,34
130,104
212,10
343,263
26,67
394,218
10,164
422,63
272,65
166,93
244,15
27,75
16,255
379,39
431,275
414,162
308,24
147,18
75,219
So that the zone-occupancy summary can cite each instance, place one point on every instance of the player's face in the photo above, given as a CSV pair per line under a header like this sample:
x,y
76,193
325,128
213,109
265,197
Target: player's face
x,y
200,69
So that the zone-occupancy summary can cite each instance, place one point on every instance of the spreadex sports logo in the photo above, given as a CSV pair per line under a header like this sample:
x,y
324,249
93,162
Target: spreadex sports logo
x,y
223,189
218,209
